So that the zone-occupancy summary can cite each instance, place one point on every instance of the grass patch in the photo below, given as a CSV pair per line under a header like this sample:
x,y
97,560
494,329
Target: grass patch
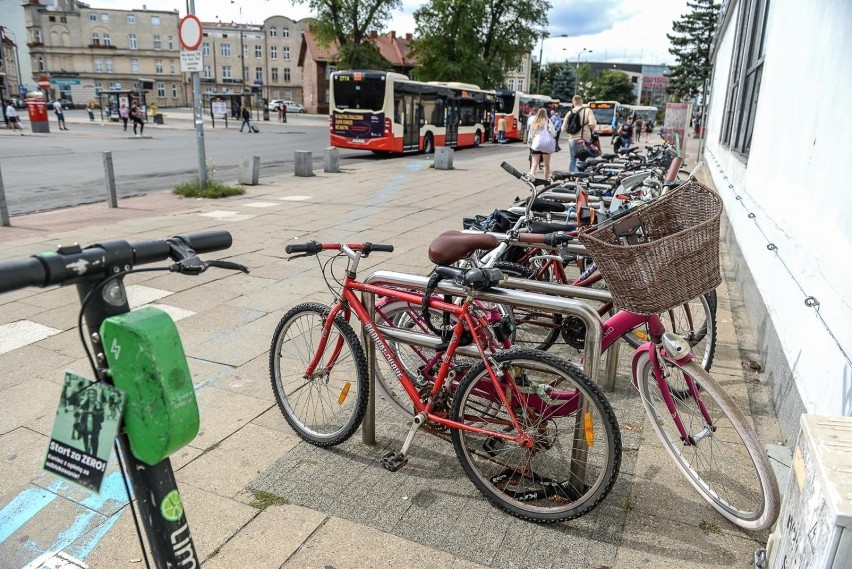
x,y
708,527
628,503
212,447
215,553
263,500
214,189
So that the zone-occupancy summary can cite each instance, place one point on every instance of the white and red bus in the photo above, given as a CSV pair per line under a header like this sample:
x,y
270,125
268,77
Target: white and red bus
x,y
384,111
606,115
517,106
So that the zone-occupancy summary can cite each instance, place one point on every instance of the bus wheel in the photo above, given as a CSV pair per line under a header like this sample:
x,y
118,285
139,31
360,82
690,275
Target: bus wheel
x,y
477,139
428,144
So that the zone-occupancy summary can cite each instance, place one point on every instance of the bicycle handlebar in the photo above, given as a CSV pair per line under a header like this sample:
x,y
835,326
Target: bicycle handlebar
x,y
70,263
313,247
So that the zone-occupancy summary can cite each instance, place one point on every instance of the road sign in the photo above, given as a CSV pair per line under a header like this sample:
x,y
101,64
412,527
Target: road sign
x,y
43,82
191,61
189,32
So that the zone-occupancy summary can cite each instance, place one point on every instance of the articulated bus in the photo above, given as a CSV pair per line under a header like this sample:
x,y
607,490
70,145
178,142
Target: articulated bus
x,y
384,111
606,115
516,106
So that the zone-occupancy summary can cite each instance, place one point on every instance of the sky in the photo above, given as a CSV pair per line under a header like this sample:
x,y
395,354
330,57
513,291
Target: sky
x,y
631,31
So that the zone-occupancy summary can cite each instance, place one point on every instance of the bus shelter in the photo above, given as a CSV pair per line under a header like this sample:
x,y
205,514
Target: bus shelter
x,y
223,106
111,101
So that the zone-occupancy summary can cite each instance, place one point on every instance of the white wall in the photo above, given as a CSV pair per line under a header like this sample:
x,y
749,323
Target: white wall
x,y
798,182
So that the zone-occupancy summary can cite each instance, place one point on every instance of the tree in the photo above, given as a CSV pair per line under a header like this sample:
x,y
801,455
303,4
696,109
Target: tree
x,y
563,82
585,82
691,47
349,23
613,85
475,40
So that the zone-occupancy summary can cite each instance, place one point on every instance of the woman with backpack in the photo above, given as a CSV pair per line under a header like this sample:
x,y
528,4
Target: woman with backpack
x,y
541,137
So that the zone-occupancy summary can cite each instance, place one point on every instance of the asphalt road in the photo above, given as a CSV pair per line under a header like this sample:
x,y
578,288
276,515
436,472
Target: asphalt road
x,y
45,172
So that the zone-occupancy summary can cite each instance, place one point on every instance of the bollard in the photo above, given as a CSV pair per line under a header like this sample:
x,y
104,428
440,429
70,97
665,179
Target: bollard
x,y
443,158
249,170
304,163
112,199
331,160
4,210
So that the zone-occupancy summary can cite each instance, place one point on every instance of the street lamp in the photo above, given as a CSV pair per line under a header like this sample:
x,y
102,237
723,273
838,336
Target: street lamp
x,y
544,36
242,45
577,77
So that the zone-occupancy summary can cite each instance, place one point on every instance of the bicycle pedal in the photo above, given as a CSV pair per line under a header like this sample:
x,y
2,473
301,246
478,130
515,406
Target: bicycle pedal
x,y
393,461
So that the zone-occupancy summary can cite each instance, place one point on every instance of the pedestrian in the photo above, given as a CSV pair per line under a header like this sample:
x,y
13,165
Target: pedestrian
x,y
501,130
245,113
541,138
136,116
124,114
649,130
280,112
90,108
284,111
557,124
638,126
579,123
625,134
60,116
12,116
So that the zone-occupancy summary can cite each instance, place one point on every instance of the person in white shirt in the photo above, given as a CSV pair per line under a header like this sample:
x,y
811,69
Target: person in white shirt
x,y
60,116
12,115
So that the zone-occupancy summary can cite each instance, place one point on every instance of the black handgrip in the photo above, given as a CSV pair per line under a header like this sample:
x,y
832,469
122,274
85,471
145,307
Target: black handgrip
x,y
206,241
381,248
508,167
557,238
311,248
150,251
20,274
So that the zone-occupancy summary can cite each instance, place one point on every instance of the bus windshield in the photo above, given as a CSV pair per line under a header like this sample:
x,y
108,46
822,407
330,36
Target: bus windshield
x,y
359,91
604,111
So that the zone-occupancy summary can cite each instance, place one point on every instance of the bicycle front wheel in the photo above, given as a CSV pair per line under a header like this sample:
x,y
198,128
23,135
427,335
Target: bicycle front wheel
x,y
576,445
325,406
723,459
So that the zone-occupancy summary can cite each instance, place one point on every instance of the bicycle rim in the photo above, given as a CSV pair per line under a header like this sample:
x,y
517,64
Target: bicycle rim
x,y
576,453
327,407
726,463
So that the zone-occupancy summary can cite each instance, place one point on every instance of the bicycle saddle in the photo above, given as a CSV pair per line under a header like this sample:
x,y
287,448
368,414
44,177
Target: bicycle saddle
x,y
451,246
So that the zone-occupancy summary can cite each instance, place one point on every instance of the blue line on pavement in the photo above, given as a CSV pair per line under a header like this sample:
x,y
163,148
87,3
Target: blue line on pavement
x,y
81,549
20,510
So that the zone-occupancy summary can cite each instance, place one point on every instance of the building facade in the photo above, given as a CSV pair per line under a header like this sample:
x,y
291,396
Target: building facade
x,y
518,79
10,81
85,51
773,152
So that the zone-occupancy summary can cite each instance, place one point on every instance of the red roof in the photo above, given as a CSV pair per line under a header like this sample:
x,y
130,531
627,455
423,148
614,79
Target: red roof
x,y
393,49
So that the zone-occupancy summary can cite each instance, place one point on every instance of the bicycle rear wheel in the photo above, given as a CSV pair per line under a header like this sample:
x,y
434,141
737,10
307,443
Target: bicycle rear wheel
x,y
576,451
725,461
326,407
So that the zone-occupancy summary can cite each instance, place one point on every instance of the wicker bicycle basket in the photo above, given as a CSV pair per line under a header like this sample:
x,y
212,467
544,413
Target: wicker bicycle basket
x,y
678,258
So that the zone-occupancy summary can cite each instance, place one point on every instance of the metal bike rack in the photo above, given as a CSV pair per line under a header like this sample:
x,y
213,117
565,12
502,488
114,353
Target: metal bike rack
x,y
519,298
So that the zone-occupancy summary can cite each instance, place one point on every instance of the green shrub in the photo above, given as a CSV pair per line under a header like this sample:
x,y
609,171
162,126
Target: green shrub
x,y
214,189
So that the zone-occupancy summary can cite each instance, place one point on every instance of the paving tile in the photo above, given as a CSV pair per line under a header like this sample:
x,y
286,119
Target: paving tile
x,y
23,333
222,413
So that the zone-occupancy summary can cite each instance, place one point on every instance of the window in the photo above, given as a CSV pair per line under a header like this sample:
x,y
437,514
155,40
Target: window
x,y
158,67
274,74
258,73
329,69
285,53
258,51
63,19
99,65
131,41
273,52
521,68
172,67
96,40
37,35
208,72
287,75
245,71
171,42
174,89
109,67
245,51
131,19
745,77
511,84
99,86
225,49
115,86
285,32
520,84
155,20
226,72
205,48
40,63
51,18
107,41
158,43
105,18
93,17
134,65
288,94
273,32
161,89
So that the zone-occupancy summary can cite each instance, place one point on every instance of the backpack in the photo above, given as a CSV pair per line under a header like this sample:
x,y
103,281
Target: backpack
x,y
574,125
544,141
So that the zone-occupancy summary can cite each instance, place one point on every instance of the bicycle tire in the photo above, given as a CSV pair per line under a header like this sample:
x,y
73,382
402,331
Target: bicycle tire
x,y
748,473
699,331
534,329
528,483
327,413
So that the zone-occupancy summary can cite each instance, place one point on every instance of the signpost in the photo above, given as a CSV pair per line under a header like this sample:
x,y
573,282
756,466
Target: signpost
x,y
190,34
43,83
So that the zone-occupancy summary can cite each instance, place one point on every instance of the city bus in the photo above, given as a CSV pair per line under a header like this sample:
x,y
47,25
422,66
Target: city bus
x,y
384,111
647,113
516,106
606,115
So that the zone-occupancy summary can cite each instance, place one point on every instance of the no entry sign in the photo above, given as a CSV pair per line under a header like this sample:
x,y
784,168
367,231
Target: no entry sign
x,y
189,32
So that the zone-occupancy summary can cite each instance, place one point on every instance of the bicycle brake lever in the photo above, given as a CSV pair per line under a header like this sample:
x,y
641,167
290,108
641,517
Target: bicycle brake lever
x,y
190,265
229,265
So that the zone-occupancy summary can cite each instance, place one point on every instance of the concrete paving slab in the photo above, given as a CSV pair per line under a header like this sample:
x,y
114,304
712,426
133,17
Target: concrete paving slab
x,y
222,413
27,402
33,362
23,333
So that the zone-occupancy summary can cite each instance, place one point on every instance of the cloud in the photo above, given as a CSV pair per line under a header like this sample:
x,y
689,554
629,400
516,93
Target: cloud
x,y
576,18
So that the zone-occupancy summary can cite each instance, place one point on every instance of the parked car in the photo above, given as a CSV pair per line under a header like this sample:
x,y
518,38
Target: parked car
x,y
292,106
66,104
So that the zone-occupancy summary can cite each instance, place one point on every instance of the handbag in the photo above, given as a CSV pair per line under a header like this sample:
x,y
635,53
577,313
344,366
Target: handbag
x,y
544,142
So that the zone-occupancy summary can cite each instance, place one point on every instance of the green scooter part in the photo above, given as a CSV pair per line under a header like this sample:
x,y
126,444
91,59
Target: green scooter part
x,y
147,362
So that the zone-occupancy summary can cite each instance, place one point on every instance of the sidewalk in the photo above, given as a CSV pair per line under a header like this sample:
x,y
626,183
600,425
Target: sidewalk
x,y
255,495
